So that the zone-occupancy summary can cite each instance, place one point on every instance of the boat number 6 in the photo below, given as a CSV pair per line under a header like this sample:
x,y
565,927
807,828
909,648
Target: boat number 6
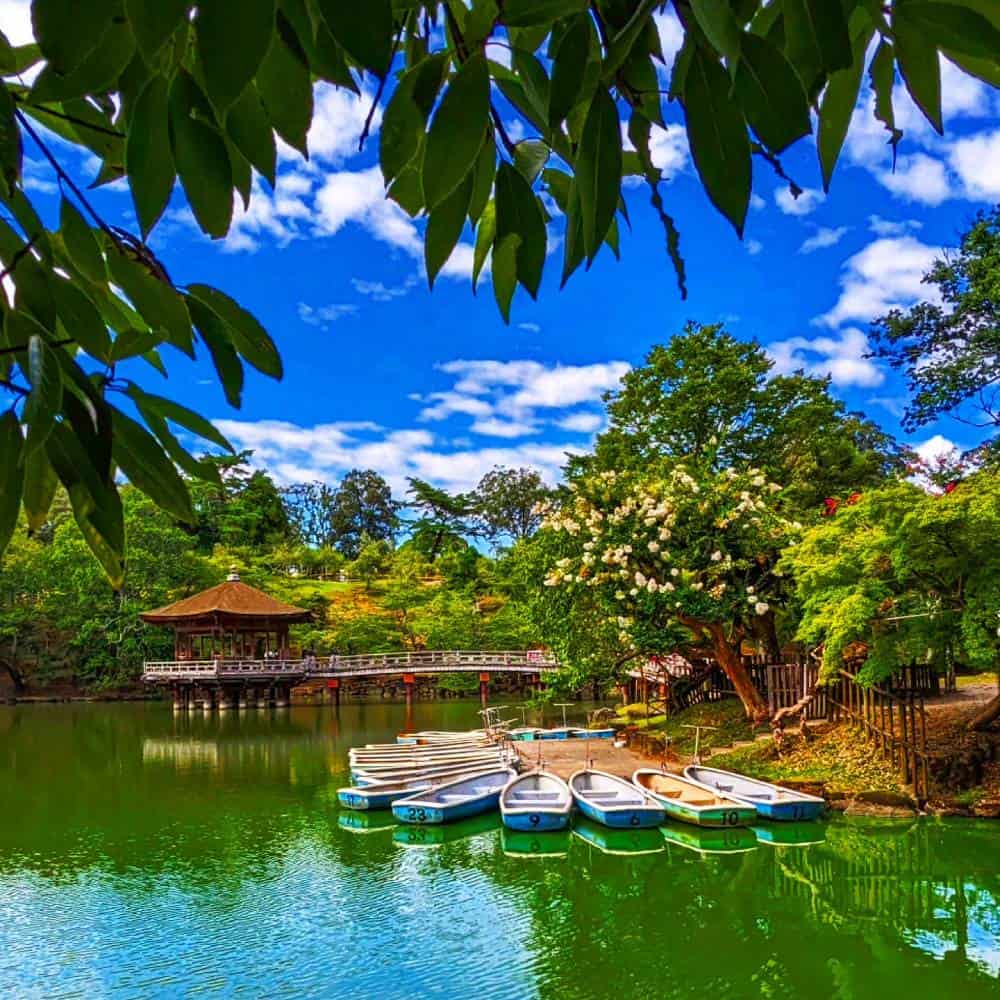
x,y
732,818
634,820
417,815
534,819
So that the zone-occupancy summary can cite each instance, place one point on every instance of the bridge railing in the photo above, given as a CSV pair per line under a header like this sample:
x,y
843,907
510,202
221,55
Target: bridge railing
x,y
422,661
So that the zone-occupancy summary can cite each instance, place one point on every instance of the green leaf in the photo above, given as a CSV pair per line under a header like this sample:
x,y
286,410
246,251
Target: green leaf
x,y
248,126
816,38
227,363
40,482
177,453
882,75
97,73
12,481
504,272
835,111
159,303
133,344
955,27
986,70
530,157
10,143
569,63
716,19
80,243
94,500
486,233
67,31
599,170
482,187
141,458
444,228
771,94
626,41
148,160
518,213
200,156
363,29
457,131
405,117
153,22
527,13
285,86
231,40
79,318
918,62
188,419
718,138
247,335
573,243
45,401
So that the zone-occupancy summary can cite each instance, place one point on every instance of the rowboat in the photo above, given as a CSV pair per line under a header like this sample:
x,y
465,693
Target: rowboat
x,y
360,756
534,845
793,834
770,801
382,794
536,801
706,840
689,802
363,777
438,736
373,767
455,799
525,733
591,734
424,745
619,841
445,833
559,733
613,801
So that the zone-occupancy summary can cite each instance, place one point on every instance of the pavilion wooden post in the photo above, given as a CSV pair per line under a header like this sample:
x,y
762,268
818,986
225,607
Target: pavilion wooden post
x,y
333,686
408,683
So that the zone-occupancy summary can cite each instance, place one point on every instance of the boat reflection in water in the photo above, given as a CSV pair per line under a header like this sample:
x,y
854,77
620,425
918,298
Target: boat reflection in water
x,y
608,840
366,822
522,844
445,833
709,840
790,834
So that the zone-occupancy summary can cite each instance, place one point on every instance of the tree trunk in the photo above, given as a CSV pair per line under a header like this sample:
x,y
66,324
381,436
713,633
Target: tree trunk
x,y
990,712
17,679
766,633
732,665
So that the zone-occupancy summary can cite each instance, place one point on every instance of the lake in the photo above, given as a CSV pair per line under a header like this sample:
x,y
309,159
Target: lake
x,y
148,855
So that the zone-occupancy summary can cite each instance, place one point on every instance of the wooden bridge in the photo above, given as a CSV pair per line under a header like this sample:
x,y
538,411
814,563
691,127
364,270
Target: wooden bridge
x,y
224,683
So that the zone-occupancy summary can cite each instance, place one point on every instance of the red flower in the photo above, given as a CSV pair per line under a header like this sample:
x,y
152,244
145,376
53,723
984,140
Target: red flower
x,y
830,505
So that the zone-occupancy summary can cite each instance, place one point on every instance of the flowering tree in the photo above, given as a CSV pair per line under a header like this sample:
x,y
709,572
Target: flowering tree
x,y
679,546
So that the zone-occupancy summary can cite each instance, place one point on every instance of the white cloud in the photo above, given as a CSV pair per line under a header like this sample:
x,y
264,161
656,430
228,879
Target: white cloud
x,y
888,227
669,151
756,202
886,274
583,423
976,160
323,316
936,448
281,215
15,16
754,247
840,355
822,238
671,35
805,203
495,427
919,177
530,327
380,292
444,404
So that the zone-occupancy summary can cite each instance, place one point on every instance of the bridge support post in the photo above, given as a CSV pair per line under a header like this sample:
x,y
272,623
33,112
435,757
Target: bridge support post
x,y
226,699
484,688
282,696
408,683
333,689
180,698
207,699
241,698
263,696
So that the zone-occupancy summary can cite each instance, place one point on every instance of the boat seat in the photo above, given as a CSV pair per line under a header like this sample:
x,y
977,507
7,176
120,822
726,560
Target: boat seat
x,y
763,795
697,800
670,794
594,795
534,796
454,797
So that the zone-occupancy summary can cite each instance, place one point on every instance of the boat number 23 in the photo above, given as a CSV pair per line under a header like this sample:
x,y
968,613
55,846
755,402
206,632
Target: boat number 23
x,y
415,815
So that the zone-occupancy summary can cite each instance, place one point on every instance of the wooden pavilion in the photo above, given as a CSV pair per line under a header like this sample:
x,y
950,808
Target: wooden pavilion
x,y
231,621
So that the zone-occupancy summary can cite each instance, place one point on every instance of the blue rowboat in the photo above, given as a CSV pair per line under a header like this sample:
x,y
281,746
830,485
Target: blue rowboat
x,y
770,801
619,841
559,733
455,800
592,734
689,802
447,833
525,733
536,801
382,794
613,801
793,834
363,822
516,843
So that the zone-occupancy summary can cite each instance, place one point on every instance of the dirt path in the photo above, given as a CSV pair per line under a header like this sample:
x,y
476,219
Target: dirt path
x,y
563,757
968,697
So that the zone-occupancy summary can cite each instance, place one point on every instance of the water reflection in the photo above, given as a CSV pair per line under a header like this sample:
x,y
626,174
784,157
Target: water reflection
x,y
147,854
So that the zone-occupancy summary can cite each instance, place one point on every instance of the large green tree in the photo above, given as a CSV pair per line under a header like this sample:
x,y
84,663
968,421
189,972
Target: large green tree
x,y
507,503
949,349
201,92
712,397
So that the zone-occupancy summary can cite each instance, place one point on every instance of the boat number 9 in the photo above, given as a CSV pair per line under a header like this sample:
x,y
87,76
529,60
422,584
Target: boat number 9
x,y
732,817
634,820
417,815
534,819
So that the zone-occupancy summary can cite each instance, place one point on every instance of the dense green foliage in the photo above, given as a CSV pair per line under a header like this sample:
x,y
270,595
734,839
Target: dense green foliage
x,y
199,93
949,349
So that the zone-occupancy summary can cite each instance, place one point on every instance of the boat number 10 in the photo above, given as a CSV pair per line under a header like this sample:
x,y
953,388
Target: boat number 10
x,y
732,817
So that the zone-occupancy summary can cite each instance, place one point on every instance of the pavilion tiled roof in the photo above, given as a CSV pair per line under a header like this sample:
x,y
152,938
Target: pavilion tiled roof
x,y
232,598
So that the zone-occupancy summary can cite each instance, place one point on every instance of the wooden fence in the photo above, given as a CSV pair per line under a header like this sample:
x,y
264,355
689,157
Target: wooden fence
x,y
789,683
894,723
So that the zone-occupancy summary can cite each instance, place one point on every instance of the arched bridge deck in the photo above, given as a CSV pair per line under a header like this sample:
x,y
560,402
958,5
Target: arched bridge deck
x,y
530,661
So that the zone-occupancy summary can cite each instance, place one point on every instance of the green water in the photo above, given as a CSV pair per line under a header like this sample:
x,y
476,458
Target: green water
x,y
143,855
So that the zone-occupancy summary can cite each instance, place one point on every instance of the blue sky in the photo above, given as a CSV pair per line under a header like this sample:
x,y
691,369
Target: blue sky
x,y
382,373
